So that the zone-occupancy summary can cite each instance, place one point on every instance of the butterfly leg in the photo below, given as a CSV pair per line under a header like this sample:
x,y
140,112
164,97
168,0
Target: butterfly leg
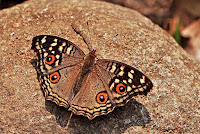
x,y
69,120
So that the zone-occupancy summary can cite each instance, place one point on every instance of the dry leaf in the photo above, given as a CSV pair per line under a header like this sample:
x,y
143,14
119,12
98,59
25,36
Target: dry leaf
x,y
192,32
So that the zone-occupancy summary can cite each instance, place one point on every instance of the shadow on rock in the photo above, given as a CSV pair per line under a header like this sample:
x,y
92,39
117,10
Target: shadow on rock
x,y
132,114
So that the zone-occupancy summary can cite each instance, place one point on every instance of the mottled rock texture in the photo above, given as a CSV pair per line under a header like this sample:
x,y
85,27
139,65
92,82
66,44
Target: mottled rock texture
x,y
172,105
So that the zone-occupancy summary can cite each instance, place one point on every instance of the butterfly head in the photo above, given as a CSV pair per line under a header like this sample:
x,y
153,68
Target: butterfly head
x,y
93,53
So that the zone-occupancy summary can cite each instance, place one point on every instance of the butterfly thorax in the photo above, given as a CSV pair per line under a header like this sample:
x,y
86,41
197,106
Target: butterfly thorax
x,y
88,62
87,67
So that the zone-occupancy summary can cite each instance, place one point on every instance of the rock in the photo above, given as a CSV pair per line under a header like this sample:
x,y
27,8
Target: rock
x,y
172,105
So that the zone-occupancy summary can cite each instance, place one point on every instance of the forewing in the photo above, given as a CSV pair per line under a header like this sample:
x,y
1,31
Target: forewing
x,y
124,81
65,52
58,63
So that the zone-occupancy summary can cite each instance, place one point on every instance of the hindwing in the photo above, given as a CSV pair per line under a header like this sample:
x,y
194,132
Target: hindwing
x,y
124,81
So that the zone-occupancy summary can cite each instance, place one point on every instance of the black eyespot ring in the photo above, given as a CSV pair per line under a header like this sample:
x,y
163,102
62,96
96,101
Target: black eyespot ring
x,y
121,88
50,59
55,77
102,97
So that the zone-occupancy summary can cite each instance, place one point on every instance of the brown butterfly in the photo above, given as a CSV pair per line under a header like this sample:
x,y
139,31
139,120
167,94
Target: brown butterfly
x,y
82,83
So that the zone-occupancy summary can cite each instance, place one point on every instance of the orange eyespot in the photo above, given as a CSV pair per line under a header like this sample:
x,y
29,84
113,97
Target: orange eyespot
x,y
102,97
121,88
54,77
50,59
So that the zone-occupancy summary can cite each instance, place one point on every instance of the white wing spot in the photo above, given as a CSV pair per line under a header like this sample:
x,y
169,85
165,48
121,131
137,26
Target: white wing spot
x,y
53,52
48,67
69,49
56,63
60,48
129,88
121,73
57,56
130,75
113,68
132,71
45,79
40,51
133,86
122,68
55,40
130,80
142,80
45,54
54,44
125,81
109,66
141,89
41,68
38,47
136,90
145,87
64,44
116,80
112,86
43,39
50,48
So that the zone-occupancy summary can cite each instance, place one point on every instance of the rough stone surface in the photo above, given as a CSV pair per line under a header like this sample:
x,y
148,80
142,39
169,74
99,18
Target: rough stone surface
x,y
172,105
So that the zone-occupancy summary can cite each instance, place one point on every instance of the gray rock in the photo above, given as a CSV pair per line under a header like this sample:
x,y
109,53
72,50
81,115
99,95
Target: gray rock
x,y
172,105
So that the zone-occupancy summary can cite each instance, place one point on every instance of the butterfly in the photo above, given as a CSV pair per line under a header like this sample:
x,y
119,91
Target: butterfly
x,y
82,83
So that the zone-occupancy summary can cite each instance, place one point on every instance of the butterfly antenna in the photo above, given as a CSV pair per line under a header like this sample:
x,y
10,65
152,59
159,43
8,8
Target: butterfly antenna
x,y
90,43
69,119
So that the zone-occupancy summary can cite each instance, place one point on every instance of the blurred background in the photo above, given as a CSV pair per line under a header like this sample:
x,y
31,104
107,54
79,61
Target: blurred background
x,y
180,18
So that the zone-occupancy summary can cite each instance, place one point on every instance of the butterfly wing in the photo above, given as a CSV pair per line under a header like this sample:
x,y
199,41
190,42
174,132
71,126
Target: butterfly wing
x,y
54,54
92,99
124,81
109,84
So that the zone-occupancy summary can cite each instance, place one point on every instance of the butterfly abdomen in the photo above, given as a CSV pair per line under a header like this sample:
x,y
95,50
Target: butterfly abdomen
x,y
87,67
